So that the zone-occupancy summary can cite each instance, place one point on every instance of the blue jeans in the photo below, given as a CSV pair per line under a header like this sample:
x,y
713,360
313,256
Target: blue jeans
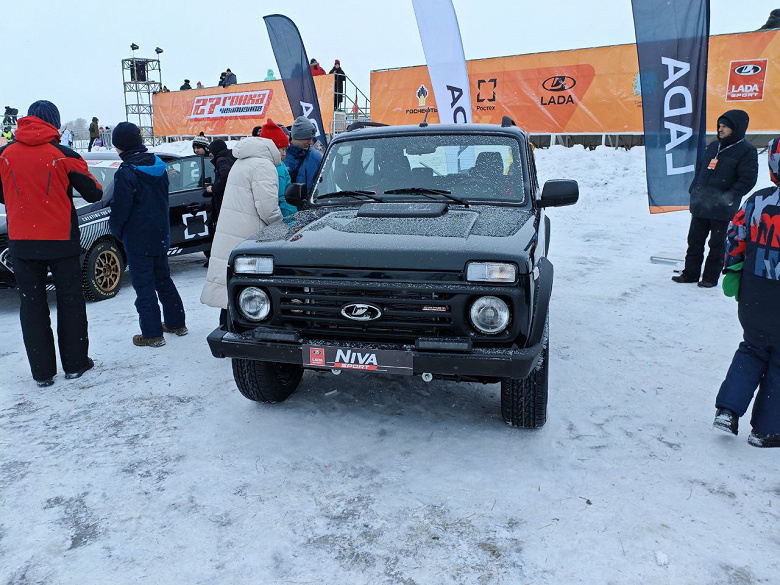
x,y
754,366
151,280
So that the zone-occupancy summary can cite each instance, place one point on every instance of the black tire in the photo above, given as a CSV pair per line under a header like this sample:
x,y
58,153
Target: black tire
x,y
524,402
266,381
102,271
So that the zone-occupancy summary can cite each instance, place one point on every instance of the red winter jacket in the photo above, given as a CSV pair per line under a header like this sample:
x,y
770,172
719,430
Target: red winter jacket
x,y
37,177
317,69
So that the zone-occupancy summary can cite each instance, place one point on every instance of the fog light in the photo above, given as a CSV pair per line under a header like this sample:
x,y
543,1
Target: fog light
x,y
253,265
254,304
489,315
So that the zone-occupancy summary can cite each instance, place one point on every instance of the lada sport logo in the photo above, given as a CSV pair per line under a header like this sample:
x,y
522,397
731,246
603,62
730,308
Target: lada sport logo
x,y
361,312
746,80
748,69
228,105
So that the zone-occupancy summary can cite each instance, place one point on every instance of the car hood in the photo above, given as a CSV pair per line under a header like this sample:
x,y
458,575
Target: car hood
x,y
341,237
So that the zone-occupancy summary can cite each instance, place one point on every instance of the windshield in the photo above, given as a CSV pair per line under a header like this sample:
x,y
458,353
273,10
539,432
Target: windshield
x,y
470,167
103,171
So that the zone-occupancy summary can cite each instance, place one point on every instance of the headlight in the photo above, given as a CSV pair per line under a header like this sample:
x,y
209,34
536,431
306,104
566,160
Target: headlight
x,y
489,315
253,265
254,304
490,272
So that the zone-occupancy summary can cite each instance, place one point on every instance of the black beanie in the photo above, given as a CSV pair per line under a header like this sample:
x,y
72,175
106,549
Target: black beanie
x,y
46,111
726,122
217,146
126,136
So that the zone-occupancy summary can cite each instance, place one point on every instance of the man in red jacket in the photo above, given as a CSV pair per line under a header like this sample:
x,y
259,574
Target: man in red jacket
x,y
37,178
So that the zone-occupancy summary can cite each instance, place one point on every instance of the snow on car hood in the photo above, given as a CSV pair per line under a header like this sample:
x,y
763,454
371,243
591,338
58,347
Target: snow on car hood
x,y
342,238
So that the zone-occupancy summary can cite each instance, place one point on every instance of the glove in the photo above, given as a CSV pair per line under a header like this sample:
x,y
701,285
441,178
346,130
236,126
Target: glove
x,y
731,280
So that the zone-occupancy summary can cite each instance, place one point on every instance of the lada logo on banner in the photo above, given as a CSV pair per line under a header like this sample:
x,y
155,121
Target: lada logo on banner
x,y
251,104
746,80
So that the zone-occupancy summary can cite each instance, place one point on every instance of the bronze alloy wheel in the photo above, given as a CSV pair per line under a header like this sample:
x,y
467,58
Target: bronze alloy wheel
x,y
103,268
108,270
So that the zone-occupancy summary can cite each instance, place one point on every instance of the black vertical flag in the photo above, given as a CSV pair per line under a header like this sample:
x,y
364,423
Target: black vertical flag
x,y
294,70
671,42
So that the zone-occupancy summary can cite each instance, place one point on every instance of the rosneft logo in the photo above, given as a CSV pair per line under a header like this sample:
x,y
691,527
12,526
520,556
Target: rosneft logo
x,y
422,95
559,83
361,312
750,69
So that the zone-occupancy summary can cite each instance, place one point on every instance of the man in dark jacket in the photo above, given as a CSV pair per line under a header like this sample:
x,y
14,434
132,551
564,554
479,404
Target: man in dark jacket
x,y
94,133
185,85
139,219
37,177
726,173
302,160
230,78
339,83
753,276
222,158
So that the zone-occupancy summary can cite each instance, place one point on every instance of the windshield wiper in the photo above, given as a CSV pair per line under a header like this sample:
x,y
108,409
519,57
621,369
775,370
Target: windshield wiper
x,y
354,193
427,192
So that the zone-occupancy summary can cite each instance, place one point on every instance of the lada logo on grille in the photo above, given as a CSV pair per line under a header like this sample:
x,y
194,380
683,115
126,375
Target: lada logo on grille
x,y
361,312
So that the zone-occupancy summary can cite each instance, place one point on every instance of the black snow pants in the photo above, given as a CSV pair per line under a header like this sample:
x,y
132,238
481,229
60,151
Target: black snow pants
x,y
72,337
697,236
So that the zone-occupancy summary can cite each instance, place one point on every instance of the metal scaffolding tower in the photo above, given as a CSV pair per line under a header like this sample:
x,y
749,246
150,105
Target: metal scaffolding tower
x,y
139,85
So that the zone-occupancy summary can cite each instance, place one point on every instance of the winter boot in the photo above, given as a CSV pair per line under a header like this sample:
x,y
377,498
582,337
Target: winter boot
x,y
142,341
764,440
74,375
684,278
179,331
45,383
726,420
707,284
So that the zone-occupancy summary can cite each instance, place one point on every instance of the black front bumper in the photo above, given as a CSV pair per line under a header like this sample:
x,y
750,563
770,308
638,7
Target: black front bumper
x,y
478,362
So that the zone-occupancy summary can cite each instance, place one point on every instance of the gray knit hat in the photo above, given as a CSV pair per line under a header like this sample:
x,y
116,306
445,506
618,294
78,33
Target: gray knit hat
x,y
303,129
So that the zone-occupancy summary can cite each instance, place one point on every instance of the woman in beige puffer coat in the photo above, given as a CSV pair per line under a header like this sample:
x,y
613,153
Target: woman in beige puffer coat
x,y
251,202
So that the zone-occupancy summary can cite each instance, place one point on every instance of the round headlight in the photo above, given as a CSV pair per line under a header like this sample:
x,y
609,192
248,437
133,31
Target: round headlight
x,y
489,315
254,303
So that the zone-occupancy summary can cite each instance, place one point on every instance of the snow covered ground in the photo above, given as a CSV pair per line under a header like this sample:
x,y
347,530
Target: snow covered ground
x,y
154,469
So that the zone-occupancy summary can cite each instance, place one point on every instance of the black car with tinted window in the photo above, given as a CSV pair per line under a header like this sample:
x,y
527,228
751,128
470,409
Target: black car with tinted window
x,y
103,258
419,251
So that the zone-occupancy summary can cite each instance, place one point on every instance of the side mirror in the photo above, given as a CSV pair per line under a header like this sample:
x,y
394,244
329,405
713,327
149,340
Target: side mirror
x,y
559,192
295,194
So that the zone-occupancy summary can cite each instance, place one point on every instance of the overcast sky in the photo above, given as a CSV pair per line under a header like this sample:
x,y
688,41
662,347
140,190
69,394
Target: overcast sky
x,y
70,52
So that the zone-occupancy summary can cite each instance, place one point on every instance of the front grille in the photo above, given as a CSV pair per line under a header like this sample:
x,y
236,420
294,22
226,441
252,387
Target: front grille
x,y
406,313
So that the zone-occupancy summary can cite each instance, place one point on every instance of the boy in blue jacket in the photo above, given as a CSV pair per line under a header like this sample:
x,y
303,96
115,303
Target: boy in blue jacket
x,y
139,219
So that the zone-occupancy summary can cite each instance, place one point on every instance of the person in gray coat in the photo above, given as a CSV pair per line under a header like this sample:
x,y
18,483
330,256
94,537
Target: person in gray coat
x,y
230,78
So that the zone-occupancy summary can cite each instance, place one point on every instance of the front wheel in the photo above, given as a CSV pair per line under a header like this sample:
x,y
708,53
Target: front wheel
x,y
266,381
524,402
102,271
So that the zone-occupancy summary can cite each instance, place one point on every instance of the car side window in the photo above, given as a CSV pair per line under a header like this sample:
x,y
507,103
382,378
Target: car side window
x,y
183,175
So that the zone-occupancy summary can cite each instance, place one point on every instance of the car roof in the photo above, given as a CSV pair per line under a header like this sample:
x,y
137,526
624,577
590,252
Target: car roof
x,y
109,155
433,129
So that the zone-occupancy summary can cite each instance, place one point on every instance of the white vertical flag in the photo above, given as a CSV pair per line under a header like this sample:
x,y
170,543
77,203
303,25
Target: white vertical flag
x,y
440,36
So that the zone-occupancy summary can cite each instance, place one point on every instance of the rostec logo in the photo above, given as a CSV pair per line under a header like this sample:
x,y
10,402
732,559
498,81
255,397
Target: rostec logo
x,y
489,90
361,312
746,80
559,83
748,69
231,105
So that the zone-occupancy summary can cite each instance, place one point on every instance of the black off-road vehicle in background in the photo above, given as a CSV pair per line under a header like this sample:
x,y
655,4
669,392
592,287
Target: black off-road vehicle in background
x,y
420,251
103,258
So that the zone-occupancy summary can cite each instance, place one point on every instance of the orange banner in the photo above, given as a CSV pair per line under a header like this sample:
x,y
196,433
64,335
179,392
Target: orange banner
x,y
234,110
589,91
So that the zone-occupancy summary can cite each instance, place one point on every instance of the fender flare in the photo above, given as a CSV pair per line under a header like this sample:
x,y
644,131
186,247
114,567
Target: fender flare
x,y
542,302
